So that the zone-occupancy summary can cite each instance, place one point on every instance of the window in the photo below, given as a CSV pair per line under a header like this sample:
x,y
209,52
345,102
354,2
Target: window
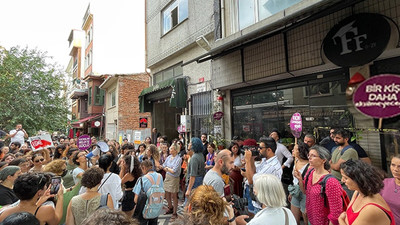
x,y
90,96
169,73
98,96
252,11
174,14
112,98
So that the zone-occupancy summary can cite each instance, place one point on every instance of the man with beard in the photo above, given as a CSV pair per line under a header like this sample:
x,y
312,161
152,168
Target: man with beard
x,y
223,165
269,165
341,154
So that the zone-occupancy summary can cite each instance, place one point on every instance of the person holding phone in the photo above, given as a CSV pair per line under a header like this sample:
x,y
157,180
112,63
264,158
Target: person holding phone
x,y
18,134
30,187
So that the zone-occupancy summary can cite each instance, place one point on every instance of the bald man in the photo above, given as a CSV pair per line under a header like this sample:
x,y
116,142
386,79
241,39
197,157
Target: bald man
x,y
223,165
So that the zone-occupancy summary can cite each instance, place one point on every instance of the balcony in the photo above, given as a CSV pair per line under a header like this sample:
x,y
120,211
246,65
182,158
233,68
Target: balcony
x,y
79,88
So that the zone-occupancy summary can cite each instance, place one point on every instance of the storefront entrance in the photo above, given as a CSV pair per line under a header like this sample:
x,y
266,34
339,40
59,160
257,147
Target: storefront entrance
x,y
166,119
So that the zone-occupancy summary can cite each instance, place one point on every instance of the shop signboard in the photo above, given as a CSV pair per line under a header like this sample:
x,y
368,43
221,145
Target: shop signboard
x,y
357,40
84,142
379,96
296,125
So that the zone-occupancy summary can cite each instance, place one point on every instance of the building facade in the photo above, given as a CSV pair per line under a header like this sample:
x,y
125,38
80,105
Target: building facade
x,y
177,31
94,54
269,64
122,106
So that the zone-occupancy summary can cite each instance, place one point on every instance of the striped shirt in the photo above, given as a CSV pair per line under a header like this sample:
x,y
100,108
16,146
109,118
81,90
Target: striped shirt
x,y
174,164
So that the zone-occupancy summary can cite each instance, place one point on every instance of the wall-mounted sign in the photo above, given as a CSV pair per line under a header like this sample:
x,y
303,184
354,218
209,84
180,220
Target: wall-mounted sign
x,y
186,124
143,122
379,96
357,40
84,142
95,123
218,115
296,125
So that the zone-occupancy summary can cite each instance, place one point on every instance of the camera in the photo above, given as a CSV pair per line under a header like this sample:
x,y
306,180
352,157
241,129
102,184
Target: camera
x,y
240,204
254,151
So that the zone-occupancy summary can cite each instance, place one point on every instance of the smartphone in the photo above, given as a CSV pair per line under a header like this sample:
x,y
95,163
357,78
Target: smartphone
x,y
55,184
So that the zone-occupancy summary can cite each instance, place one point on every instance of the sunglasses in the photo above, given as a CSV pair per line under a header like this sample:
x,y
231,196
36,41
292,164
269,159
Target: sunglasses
x,y
37,160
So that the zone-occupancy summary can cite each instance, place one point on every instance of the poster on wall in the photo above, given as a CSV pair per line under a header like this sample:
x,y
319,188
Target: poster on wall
x,y
143,122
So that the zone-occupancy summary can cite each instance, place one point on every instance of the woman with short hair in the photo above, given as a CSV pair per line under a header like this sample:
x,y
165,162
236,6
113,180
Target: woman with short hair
x,y
269,191
85,204
172,168
367,207
317,212
8,175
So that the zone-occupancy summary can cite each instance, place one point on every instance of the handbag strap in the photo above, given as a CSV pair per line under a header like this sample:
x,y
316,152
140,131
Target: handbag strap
x,y
286,217
104,181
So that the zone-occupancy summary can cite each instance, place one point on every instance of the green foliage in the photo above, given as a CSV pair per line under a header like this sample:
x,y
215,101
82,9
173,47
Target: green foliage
x,y
32,91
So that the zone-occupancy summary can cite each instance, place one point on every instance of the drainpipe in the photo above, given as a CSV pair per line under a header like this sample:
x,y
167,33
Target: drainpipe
x,y
222,18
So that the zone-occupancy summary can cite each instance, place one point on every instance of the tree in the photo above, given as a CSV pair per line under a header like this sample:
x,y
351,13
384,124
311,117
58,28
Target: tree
x,y
32,91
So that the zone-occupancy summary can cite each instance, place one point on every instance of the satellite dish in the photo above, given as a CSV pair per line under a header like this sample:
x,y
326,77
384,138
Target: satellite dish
x,y
103,146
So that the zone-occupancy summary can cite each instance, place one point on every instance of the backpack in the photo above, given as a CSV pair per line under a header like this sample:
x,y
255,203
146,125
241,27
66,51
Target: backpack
x,y
155,198
344,197
141,202
103,201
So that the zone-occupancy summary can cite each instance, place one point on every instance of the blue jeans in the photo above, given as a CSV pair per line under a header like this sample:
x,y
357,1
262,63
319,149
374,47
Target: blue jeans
x,y
197,182
249,200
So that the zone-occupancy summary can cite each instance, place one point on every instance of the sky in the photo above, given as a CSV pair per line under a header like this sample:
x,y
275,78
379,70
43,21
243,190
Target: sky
x,y
46,25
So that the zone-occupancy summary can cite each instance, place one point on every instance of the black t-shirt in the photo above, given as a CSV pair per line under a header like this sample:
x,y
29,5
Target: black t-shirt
x,y
7,196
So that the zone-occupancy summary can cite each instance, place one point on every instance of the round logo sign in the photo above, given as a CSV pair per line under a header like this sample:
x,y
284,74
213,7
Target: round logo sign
x,y
378,97
357,40
218,115
97,123
84,142
296,125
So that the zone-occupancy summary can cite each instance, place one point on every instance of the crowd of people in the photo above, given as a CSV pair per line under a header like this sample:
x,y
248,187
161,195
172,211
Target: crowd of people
x,y
249,182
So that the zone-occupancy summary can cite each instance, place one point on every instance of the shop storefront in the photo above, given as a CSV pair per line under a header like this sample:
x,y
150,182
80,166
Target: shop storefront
x,y
319,98
165,101
277,72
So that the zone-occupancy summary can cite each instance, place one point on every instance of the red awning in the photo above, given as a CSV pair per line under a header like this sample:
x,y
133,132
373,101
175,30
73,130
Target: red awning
x,y
85,119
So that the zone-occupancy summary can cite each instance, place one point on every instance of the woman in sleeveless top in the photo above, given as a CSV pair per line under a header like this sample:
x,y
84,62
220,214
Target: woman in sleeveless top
x,y
367,206
84,205
129,174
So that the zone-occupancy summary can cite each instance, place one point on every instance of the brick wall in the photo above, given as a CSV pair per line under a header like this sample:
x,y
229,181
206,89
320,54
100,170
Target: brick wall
x,y
128,101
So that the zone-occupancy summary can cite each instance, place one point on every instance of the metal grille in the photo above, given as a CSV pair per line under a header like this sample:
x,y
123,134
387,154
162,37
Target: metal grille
x,y
201,104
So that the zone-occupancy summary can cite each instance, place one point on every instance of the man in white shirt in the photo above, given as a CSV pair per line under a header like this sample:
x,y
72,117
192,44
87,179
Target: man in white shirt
x,y
18,134
281,150
268,165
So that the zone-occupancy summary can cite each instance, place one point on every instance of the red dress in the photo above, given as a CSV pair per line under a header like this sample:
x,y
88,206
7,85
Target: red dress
x,y
317,213
352,216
